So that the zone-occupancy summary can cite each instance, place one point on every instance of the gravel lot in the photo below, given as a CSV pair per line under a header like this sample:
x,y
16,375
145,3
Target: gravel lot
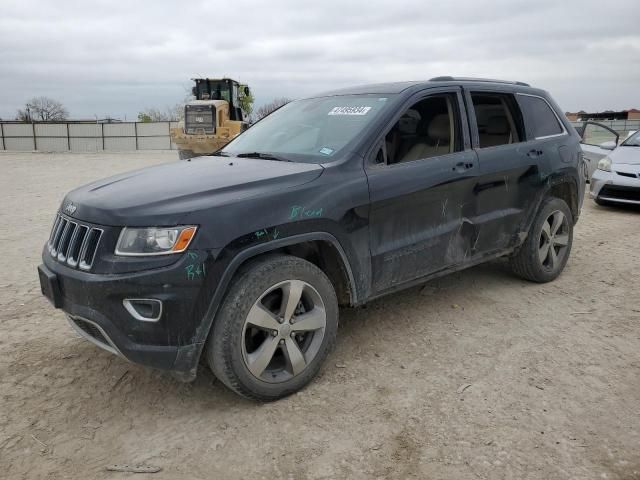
x,y
551,371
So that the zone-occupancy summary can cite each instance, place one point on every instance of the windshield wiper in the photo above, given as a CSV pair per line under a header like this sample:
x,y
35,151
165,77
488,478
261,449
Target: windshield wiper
x,y
219,154
263,156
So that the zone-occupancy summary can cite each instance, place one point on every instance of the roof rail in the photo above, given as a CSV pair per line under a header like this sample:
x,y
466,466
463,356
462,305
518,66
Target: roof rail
x,y
447,78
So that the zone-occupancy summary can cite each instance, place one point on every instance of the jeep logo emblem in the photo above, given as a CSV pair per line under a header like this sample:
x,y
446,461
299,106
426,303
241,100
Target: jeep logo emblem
x,y
70,208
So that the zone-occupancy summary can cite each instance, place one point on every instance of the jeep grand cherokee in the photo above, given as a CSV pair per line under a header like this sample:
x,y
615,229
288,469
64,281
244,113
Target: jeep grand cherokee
x,y
243,257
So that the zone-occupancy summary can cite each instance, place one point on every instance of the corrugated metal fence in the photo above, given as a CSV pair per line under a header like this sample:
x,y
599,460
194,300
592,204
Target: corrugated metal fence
x,y
86,137
130,136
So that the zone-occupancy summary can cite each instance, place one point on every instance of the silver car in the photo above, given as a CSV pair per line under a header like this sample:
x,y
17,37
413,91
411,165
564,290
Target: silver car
x,y
616,178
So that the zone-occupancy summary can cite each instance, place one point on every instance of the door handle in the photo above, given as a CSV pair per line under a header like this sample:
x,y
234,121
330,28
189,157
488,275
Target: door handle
x,y
462,166
535,153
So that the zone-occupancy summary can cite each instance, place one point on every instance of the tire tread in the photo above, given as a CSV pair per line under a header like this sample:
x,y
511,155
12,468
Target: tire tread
x,y
222,339
524,263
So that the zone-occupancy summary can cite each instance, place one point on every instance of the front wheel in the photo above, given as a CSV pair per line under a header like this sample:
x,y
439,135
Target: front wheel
x,y
274,329
544,254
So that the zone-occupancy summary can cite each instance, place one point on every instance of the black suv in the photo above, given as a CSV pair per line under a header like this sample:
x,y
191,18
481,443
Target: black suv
x,y
244,256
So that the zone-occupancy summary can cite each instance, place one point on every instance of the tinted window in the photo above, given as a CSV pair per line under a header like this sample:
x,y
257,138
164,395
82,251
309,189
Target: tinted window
x,y
427,129
498,119
540,118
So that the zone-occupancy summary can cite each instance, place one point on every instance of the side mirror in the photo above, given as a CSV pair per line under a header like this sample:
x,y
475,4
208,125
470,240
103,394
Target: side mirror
x,y
611,145
247,92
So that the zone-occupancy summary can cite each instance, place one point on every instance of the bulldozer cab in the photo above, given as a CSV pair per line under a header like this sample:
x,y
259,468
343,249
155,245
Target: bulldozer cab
x,y
222,89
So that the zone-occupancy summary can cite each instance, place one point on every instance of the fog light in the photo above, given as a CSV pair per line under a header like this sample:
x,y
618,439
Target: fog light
x,y
144,309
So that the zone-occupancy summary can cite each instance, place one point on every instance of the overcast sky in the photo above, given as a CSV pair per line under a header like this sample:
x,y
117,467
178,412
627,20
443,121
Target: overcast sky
x,y
114,58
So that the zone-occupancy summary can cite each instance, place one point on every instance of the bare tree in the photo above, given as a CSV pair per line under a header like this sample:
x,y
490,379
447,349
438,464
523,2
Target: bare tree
x,y
43,109
168,114
272,106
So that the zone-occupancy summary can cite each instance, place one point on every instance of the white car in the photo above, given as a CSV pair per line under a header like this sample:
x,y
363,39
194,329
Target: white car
x,y
597,142
616,178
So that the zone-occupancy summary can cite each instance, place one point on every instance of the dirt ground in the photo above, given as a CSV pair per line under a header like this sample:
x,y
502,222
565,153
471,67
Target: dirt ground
x,y
552,372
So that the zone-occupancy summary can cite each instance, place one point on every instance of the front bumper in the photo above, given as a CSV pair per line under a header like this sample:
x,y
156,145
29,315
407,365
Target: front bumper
x,y
617,186
95,308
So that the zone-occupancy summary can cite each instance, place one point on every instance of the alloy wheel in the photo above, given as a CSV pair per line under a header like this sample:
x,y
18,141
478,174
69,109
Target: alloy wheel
x,y
554,239
283,331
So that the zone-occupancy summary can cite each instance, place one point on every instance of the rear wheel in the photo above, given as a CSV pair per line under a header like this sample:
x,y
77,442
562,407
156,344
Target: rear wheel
x,y
544,254
274,329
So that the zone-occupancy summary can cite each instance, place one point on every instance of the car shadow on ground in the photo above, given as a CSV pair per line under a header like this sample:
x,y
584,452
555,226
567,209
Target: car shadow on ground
x,y
619,208
132,386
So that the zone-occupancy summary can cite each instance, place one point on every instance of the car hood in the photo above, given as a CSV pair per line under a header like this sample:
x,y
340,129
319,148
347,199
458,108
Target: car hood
x,y
164,194
626,155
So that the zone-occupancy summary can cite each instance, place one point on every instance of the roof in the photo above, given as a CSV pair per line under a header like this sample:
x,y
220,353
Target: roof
x,y
398,87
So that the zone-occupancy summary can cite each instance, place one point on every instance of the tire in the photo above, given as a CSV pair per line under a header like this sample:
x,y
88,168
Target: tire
x,y
531,261
243,354
185,154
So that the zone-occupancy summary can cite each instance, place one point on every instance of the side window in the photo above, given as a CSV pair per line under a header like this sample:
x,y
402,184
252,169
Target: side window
x,y
540,118
498,119
427,129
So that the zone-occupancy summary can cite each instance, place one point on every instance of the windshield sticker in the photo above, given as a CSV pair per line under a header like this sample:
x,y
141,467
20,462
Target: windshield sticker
x,y
349,111
326,151
382,99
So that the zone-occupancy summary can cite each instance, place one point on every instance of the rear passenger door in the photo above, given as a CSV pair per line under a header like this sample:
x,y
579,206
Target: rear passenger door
x,y
421,173
508,176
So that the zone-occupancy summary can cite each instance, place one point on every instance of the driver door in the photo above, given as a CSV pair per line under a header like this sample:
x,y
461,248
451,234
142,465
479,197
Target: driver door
x,y
421,181
597,142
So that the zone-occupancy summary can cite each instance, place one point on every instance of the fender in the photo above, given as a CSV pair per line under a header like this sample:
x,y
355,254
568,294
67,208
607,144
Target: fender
x,y
529,218
187,358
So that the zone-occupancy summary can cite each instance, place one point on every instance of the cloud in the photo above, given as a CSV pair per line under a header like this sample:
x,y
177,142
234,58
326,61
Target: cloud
x,y
116,58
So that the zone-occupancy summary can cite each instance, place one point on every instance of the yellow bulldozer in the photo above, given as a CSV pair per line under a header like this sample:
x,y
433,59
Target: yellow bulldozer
x,y
217,115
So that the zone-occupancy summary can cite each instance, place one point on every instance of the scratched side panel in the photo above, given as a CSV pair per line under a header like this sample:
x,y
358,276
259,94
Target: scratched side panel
x,y
506,187
416,217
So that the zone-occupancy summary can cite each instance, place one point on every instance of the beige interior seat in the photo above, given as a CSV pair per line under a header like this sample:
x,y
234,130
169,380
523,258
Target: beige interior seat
x,y
438,136
496,132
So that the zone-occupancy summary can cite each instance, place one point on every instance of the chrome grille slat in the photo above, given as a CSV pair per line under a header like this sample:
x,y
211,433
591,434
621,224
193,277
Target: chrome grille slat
x,y
56,240
90,249
73,243
65,241
54,232
77,243
53,229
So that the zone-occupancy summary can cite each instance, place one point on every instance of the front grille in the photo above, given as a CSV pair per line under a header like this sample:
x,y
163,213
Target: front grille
x,y
91,330
199,119
73,243
622,193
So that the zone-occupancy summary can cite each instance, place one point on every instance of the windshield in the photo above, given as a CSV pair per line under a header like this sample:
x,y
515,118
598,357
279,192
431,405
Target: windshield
x,y
313,130
633,140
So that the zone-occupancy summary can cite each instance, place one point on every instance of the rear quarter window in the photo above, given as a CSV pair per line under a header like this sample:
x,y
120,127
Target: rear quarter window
x,y
540,119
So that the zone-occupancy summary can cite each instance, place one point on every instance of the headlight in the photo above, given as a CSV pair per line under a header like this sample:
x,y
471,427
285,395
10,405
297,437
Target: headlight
x,y
605,164
154,240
